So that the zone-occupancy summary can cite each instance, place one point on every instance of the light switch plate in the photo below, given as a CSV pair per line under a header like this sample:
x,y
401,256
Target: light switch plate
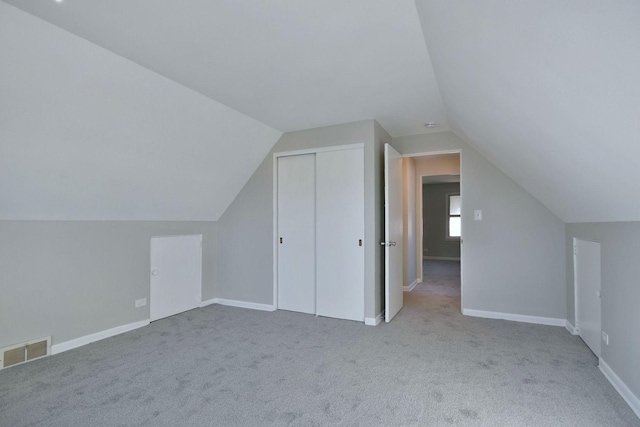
x,y
477,215
141,302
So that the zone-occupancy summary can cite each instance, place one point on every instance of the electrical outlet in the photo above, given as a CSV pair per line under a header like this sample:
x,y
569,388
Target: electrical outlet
x,y
605,338
141,302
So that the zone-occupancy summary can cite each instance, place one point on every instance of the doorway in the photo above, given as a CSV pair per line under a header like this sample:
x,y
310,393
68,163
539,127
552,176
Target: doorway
x,y
432,216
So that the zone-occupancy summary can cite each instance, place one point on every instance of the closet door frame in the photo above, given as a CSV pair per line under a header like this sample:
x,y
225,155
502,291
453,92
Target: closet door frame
x,y
275,201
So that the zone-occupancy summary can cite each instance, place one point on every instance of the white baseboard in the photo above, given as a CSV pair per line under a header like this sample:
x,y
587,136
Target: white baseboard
x,y
88,339
207,302
551,321
620,387
410,287
442,258
572,329
244,304
373,321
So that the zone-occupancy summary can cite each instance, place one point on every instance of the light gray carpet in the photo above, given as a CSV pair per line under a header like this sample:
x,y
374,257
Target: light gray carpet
x,y
227,366
439,277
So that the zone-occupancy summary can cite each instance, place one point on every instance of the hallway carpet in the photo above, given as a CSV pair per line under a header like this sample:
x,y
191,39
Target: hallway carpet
x,y
225,366
439,277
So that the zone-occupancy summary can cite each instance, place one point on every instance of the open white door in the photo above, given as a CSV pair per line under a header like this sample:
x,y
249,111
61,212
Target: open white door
x,y
586,262
392,232
176,275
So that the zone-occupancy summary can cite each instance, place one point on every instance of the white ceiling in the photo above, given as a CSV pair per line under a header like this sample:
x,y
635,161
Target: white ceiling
x,y
88,135
290,64
549,92
546,90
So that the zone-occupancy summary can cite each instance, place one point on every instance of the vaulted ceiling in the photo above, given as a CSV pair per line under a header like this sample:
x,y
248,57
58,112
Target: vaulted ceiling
x,y
290,64
549,92
546,90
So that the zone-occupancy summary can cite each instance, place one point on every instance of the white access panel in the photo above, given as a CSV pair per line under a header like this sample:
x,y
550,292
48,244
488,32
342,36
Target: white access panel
x,y
393,244
587,292
176,275
296,233
340,234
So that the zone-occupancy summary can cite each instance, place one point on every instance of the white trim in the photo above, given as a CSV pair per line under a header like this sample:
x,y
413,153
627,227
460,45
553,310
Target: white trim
x,y
410,287
572,329
575,286
244,304
373,321
88,339
620,387
318,150
275,231
442,258
551,321
434,153
207,302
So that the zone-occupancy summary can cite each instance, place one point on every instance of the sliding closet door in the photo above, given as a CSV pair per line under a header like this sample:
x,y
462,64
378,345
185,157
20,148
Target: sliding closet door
x,y
340,234
296,233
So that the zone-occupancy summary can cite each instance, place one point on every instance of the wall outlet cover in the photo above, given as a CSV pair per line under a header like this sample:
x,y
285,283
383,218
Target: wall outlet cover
x,y
141,302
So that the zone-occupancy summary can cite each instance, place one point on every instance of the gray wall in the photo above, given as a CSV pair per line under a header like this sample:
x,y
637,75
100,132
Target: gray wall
x,y
435,217
73,278
409,220
514,260
245,258
620,252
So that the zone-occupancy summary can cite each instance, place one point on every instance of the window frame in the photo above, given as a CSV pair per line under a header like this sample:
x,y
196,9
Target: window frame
x,y
447,236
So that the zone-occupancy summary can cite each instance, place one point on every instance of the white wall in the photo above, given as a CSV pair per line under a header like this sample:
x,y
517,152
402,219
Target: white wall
x,y
513,261
245,257
88,135
620,243
69,279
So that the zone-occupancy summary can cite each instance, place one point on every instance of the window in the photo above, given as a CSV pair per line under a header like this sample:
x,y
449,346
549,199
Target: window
x,y
453,216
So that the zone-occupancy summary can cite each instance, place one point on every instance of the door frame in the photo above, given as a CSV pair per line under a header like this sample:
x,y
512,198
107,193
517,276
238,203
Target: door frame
x,y
419,225
276,155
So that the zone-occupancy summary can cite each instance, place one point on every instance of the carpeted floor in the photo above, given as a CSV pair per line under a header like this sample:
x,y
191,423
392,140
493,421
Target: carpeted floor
x,y
227,366
439,277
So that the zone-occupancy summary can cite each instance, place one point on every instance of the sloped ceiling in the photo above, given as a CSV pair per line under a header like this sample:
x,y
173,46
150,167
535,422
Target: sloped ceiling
x,y
290,64
549,92
88,135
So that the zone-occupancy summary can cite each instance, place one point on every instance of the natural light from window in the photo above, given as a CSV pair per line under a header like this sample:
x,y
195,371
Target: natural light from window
x,y
454,203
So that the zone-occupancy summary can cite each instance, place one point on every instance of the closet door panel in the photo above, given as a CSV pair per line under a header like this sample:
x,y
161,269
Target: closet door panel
x,y
339,231
296,233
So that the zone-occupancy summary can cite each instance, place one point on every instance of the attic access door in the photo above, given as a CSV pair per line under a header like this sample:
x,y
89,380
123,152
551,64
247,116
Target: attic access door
x,y
176,275
586,264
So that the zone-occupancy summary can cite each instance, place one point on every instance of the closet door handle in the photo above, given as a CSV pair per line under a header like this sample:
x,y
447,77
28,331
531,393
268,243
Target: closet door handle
x,y
387,243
